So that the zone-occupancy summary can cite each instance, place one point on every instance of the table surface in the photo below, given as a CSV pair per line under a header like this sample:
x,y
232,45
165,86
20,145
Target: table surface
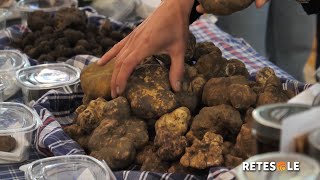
x,y
204,30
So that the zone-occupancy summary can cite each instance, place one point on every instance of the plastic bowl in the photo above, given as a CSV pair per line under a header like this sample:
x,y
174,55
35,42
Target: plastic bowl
x,y
67,167
4,13
10,62
17,122
35,81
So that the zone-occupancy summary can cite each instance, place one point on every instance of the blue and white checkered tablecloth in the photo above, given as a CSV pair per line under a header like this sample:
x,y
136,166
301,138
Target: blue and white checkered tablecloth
x,y
56,107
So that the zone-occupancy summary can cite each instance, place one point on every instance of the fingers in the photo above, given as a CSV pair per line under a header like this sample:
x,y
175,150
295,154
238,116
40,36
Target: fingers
x,y
200,9
176,71
112,52
126,67
260,3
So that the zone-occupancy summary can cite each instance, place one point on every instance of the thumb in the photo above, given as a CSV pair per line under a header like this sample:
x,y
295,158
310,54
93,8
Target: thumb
x,y
260,3
176,71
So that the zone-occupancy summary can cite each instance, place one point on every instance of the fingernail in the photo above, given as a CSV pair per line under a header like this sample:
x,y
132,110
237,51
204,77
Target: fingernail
x,y
113,95
178,86
118,90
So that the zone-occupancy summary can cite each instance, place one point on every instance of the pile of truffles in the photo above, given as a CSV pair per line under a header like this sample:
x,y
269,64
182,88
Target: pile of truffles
x,y
60,36
206,124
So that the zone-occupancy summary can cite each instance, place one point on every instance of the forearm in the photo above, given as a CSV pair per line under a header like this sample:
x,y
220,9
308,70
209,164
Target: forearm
x,y
182,8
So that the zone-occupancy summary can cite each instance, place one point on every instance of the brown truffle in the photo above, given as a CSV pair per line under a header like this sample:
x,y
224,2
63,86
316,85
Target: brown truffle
x,y
222,119
217,90
205,153
91,78
222,7
7,143
205,48
148,92
246,143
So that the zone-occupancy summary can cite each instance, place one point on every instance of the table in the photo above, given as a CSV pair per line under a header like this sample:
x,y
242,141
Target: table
x,y
204,30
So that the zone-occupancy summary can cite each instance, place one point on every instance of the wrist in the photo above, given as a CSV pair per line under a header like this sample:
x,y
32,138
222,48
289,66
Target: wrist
x,y
183,6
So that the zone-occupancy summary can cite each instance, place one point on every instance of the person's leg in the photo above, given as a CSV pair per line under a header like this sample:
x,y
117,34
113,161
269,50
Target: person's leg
x,y
289,36
249,24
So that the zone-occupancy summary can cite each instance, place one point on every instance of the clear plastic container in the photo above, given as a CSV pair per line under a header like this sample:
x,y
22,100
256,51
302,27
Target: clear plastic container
x,y
318,75
267,124
17,122
314,144
77,167
27,6
119,10
10,62
309,168
4,14
37,80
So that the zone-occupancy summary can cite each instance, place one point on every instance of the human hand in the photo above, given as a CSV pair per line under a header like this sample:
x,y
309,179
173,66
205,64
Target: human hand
x,y
165,31
260,3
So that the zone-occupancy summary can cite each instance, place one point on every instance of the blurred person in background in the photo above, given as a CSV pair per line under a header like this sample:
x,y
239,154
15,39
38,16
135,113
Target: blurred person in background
x,y
280,30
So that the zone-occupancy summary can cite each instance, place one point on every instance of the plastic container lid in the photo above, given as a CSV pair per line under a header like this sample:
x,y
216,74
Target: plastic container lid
x,y
77,167
48,76
17,118
309,168
4,13
268,118
44,5
318,74
314,139
11,60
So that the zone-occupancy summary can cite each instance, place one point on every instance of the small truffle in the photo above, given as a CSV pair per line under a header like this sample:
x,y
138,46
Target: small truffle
x,y
7,143
204,154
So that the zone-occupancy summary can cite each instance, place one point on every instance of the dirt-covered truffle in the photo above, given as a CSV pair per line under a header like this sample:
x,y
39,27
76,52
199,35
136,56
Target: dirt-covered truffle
x,y
242,96
70,18
148,151
222,7
115,136
205,153
246,142
236,67
69,34
7,143
176,123
170,130
91,78
170,147
205,48
38,19
272,92
222,119
217,90
211,65
149,93
117,153
155,164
